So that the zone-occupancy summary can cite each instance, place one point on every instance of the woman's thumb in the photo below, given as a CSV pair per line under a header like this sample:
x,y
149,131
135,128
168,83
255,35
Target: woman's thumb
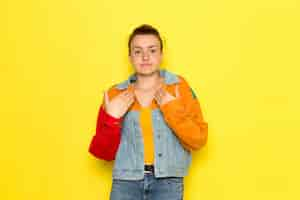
x,y
177,94
106,99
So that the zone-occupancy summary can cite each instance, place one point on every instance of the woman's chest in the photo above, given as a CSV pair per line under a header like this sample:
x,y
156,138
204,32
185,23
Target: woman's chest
x,y
144,99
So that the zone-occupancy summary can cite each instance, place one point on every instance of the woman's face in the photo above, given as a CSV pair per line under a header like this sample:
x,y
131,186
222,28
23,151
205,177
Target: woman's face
x,y
145,55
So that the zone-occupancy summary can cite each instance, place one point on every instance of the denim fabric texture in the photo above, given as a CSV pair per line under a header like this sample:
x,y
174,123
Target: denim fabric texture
x,y
149,188
171,159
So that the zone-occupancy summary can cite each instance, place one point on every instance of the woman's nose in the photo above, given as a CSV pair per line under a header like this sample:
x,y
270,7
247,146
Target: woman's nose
x,y
145,56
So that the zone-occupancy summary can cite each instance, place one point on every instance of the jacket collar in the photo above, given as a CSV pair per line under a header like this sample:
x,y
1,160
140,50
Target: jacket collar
x,y
169,78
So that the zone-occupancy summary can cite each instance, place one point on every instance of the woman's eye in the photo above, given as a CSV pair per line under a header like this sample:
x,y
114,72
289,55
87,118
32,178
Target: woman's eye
x,y
137,52
153,50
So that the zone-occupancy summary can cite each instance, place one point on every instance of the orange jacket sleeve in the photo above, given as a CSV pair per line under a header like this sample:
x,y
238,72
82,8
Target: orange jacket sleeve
x,y
184,117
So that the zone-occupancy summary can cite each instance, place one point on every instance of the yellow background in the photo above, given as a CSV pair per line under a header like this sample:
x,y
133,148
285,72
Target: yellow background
x,y
241,57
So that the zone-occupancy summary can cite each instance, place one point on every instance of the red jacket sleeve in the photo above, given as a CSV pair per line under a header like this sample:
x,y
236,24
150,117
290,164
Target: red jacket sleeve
x,y
105,142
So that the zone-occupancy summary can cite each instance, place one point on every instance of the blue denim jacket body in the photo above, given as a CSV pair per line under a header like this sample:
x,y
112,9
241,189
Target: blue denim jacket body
x,y
170,158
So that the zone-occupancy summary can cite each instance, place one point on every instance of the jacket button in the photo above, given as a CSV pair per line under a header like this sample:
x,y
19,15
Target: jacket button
x,y
160,154
158,136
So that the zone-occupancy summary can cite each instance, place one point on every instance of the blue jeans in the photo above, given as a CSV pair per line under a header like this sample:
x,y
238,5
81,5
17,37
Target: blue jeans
x,y
150,188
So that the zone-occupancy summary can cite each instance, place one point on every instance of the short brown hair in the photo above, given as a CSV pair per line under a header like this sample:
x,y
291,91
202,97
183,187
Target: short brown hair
x,y
145,29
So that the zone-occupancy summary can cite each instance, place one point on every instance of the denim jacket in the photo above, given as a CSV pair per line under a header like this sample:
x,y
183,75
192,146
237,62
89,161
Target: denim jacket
x,y
170,158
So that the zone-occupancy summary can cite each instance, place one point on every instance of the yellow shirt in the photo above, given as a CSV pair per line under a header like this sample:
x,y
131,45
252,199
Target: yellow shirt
x,y
147,133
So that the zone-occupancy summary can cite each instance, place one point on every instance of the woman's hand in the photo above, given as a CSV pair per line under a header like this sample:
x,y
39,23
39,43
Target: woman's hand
x,y
162,96
118,106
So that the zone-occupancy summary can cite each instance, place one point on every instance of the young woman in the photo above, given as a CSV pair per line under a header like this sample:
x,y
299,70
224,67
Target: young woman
x,y
149,124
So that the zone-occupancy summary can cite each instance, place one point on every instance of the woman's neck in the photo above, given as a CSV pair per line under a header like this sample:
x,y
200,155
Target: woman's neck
x,y
148,82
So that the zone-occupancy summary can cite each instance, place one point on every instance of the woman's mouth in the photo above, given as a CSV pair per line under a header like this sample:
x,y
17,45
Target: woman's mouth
x,y
145,65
